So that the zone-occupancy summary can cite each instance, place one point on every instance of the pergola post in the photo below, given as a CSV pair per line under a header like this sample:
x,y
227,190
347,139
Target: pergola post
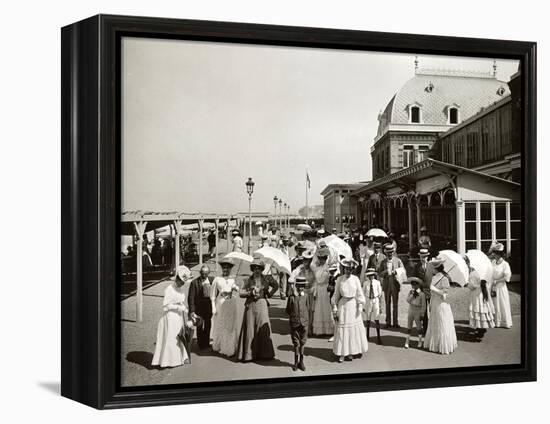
x,y
227,236
460,227
384,214
140,231
389,214
217,249
409,208
201,222
177,227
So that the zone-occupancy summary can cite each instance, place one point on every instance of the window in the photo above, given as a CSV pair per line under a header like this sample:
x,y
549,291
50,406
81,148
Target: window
x,y
415,114
408,156
453,115
423,153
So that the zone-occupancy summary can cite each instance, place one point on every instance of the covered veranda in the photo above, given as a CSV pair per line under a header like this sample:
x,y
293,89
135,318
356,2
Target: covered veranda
x,y
461,208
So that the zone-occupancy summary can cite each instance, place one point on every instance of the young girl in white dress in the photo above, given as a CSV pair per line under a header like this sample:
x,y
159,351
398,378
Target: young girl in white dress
x,y
350,337
169,350
224,309
501,276
441,334
481,308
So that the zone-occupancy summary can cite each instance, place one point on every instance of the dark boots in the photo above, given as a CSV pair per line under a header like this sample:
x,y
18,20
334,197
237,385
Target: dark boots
x,y
295,366
301,365
378,339
368,330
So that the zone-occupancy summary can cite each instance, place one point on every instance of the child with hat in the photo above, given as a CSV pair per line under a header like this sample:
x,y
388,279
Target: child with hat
x,y
373,292
417,307
297,308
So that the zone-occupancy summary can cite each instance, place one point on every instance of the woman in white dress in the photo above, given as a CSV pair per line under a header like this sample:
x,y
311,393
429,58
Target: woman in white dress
x,y
350,338
481,309
224,309
170,350
323,321
441,334
501,276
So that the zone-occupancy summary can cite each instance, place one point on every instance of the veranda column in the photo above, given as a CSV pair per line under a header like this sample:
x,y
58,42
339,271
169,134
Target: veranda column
x,y
140,231
384,214
201,222
409,209
418,218
460,227
390,203
227,236
177,227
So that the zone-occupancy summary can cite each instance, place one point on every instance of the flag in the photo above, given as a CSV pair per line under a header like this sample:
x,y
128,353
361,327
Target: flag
x,y
308,181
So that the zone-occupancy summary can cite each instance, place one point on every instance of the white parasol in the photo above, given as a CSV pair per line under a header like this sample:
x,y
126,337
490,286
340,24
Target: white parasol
x,y
303,227
376,232
238,258
275,258
455,266
338,245
482,264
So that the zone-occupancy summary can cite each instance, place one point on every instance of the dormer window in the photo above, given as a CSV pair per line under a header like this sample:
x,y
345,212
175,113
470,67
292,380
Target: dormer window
x,y
453,114
415,113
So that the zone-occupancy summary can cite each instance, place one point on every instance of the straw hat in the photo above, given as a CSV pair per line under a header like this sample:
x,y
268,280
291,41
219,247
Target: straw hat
x,y
388,248
308,254
183,273
423,228
437,261
377,245
416,280
497,247
348,262
226,261
370,271
424,252
257,262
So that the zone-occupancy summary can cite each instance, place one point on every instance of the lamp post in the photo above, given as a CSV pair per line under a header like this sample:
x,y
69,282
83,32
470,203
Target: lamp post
x,y
285,216
275,200
249,189
281,213
288,217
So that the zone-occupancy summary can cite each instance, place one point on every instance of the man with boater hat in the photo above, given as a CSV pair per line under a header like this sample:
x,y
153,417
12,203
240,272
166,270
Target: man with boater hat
x,y
376,259
425,272
390,284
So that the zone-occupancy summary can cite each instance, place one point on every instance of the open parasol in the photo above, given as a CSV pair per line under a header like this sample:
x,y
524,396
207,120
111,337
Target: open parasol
x,y
238,258
303,227
376,232
338,245
275,258
482,264
455,267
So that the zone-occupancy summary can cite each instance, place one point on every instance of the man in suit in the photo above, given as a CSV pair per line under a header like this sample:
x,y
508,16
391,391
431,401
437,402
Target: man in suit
x,y
424,271
376,259
390,284
200,305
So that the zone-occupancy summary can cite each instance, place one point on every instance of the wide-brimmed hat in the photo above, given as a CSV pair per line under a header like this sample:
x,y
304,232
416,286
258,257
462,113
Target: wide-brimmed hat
x,y
437,261
423,252
497,247
377,244
371,271
258,263
235,232
300,280
323,252
348,262
321,231
285,237
308,254
388,248
301,245
183,273
226,261
423,228
415,280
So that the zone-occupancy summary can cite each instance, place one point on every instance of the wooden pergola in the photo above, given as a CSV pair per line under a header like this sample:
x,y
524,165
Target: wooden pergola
x,y
138,223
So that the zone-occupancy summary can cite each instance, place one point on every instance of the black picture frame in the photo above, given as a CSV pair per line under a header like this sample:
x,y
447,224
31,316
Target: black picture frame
x,y
90,206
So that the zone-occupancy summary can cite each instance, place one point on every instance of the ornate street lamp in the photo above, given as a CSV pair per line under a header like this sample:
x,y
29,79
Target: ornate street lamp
x,y
284,215
288,216
280,213
249,189
275,200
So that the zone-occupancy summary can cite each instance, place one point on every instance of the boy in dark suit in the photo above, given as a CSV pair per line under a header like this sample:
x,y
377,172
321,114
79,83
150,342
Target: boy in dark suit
x,y
297,308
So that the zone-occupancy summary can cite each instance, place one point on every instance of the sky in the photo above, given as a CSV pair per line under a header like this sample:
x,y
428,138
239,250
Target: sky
x,y
199,118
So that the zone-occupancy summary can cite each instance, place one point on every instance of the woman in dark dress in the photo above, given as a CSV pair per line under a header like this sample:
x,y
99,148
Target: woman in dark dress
x,y
255,337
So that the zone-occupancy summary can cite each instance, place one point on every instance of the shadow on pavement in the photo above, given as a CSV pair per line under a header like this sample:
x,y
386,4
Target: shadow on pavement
x,y
280,326
322,353
466,334
141,358
394,341
212,353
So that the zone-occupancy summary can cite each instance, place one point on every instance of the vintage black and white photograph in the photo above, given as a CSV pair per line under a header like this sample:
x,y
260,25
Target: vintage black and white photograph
x,y
290,212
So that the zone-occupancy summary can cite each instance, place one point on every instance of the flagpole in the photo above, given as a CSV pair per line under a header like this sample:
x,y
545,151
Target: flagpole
x,y
307,204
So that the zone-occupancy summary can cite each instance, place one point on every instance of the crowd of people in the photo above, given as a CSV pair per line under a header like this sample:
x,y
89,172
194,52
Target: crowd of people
x,y
338,298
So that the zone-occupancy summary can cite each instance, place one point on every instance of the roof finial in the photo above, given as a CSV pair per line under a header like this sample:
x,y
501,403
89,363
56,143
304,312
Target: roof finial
x,y
415,64
494,68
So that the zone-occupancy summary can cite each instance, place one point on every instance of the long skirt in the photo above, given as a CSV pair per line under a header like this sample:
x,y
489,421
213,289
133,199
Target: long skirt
x,y
323,321
441,333
503,313
350,337
481,314
169,351
226,329
255,336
